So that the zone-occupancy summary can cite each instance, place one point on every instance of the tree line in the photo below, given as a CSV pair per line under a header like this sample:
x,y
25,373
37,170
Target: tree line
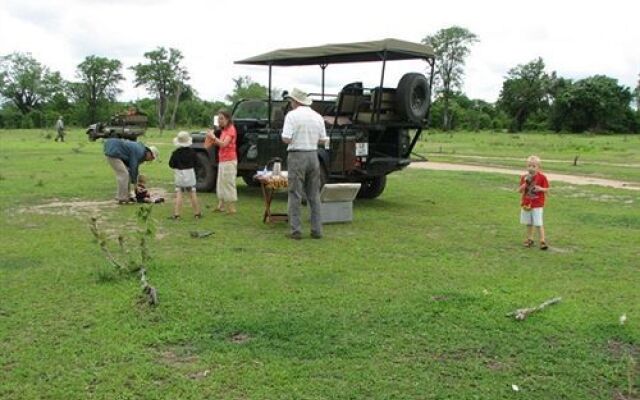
x,y
531,98
33,96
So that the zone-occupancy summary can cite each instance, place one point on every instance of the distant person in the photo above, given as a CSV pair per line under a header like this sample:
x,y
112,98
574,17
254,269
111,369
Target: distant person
x,y
183,160
125,156
59,129
303,130
142,193
226,190
533,186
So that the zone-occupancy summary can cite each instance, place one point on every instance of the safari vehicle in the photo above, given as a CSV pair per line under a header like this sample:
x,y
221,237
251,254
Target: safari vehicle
x,y
372,130
126,125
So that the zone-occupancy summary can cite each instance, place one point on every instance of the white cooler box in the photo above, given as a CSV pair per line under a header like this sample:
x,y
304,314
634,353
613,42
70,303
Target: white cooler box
x,y
336,200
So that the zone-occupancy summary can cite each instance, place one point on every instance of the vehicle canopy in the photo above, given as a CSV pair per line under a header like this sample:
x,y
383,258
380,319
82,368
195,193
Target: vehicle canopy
x,y
380,50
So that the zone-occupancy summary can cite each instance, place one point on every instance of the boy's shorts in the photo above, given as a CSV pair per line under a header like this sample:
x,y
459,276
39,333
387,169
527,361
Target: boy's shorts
x,y
531,217
185,189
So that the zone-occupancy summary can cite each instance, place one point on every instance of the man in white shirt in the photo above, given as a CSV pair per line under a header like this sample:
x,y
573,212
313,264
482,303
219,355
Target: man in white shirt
x,y
303,130
60,129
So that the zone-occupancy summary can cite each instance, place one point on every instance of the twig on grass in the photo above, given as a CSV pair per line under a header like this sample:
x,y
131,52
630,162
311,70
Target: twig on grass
x,y
135,261
522,313
102,242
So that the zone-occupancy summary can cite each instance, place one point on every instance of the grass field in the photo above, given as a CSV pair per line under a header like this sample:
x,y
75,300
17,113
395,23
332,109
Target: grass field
x,y
406,302
607,156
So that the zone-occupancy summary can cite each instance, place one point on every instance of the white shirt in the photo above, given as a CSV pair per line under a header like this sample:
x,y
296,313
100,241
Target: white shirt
x,y
305,128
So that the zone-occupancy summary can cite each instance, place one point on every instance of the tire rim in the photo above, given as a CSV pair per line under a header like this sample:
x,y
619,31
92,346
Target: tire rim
x,y
418,98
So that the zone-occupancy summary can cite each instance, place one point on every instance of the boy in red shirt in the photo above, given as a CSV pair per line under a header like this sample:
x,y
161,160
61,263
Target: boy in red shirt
x,y
533,186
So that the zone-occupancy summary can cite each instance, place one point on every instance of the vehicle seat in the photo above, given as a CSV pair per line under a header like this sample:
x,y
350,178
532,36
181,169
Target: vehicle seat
x,y
277,118
349,100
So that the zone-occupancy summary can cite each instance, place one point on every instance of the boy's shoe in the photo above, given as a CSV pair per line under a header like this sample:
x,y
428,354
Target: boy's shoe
x,y
174,217
197,216
316,235
543,245
528,243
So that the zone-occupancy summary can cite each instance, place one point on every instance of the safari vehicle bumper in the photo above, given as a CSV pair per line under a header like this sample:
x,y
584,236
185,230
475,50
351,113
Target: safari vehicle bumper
x,y
377,166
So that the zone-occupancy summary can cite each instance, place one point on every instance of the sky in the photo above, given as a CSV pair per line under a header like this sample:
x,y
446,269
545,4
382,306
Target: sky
x,y
576,39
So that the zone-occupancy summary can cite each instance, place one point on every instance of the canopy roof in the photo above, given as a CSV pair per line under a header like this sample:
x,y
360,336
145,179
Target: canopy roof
x,y
389,49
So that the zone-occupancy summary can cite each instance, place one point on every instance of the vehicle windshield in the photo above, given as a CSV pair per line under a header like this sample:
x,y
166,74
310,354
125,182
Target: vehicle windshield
x,y
255,109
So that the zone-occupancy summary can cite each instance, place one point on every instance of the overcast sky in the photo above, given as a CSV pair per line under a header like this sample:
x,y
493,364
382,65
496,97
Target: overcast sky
x,y
576,39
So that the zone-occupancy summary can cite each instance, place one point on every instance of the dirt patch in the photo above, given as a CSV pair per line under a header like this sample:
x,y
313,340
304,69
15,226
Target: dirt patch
x,y
239,338
571,179
81,208
178,356
620,396
495,365
71,208
619,350
553,249
199,375
546,160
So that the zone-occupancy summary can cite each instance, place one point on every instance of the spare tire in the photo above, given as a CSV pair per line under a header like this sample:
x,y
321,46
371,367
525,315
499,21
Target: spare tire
x,y
206,173
413,97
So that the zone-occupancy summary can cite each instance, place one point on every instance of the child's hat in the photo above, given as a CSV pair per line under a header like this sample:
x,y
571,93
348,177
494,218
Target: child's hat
x,y
183,139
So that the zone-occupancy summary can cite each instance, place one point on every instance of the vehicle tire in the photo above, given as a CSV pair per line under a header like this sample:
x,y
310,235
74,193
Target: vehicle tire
x,y
413,97
372,187
206,174
324,176
248,179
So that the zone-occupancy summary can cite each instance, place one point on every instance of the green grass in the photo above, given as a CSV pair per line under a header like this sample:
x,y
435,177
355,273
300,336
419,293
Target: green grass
x,y
408,301
607,156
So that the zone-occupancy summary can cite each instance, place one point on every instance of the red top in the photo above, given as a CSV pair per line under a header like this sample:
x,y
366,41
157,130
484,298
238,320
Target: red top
x,y
531,197
228,152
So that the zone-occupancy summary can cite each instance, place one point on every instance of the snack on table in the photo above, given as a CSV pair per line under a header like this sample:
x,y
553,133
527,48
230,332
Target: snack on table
x,y
276,182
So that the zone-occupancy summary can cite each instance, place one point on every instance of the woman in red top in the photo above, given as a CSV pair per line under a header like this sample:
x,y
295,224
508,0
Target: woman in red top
x,y
227,163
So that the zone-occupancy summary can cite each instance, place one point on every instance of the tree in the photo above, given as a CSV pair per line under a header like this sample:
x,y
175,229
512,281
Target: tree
x,y
164,77
26,82
451,47
246,88
597,104
464,113
524,92
99,78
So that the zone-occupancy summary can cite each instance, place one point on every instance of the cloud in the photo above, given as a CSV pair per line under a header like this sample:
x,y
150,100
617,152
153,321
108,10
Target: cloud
x,y
40,14
576,41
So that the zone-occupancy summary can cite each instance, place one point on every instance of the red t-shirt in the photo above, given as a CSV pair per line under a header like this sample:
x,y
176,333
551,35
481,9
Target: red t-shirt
x,y
531,197
228,152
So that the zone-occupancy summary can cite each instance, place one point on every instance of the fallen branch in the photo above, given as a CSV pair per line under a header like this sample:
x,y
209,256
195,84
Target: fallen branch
x,y
200,234
522,313
147,289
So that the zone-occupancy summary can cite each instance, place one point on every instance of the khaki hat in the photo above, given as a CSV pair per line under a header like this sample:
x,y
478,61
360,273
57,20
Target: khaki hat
x,y
299,96
183,139
154,151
